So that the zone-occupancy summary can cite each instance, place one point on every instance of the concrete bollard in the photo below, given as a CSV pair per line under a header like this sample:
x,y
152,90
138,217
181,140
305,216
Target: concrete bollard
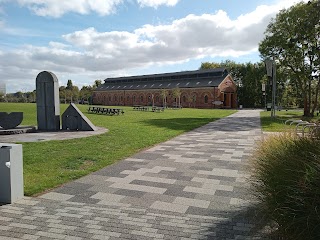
x,y
11,173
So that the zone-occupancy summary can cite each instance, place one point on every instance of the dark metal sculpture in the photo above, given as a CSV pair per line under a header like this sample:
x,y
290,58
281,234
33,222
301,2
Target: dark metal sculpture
x,y
48,105
10,120
74,119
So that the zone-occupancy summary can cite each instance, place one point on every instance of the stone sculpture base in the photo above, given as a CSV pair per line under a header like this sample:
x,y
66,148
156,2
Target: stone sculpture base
x,y
18,130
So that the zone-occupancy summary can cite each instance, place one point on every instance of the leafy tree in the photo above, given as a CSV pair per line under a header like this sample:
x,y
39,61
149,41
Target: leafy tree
x,y
97,83
85,93
63,94
210,65
293,40
69,85
75,94
2,97
70,93
164,94
176,93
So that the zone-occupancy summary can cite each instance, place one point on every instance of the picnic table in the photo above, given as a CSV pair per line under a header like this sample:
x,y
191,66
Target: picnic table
x,y
107,111
140,108
157,109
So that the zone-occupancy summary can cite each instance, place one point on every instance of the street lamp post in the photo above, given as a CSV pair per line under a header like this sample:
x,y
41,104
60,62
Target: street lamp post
x,y
264,94
271,73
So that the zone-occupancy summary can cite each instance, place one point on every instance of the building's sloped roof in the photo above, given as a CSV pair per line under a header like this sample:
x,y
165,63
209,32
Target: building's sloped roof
x,y
187,79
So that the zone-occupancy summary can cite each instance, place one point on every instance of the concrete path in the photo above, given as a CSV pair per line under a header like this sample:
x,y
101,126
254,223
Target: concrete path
x,y
191,187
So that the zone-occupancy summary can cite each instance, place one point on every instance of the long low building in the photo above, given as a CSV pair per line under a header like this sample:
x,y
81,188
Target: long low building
x,y
213,88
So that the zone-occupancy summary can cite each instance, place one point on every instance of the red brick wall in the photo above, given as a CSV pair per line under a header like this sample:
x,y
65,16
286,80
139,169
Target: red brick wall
x,y
190,97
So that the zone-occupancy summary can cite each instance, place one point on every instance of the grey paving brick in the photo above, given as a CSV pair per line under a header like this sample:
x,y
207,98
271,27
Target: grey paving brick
x,y
177,190
151,184
169,207
57,196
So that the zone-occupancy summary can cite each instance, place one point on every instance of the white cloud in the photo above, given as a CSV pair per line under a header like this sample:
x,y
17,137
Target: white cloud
x,y
157,3
56,8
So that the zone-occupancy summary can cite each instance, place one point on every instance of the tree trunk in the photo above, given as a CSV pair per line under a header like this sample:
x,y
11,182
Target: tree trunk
x,y
315,105
306,111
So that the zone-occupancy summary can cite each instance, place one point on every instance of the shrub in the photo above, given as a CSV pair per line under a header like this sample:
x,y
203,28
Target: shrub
x,y
286,181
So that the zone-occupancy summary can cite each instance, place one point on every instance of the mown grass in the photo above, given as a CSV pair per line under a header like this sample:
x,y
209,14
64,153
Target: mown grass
x,y
277,124
52,163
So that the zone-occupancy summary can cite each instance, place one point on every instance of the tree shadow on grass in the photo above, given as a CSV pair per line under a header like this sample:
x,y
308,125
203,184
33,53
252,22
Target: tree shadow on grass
x,y
225,124
185,124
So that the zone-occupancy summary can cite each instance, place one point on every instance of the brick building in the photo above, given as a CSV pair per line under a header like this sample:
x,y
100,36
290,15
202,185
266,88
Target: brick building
x,y
212,88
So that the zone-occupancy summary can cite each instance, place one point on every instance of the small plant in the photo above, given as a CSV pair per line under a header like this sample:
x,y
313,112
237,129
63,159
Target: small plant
x,y
286,181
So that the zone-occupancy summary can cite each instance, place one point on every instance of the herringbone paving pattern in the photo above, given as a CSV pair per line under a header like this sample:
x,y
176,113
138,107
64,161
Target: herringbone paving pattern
x,y
191,187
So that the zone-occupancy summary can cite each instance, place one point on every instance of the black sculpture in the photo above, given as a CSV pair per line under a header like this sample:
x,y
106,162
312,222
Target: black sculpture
x,y
10,120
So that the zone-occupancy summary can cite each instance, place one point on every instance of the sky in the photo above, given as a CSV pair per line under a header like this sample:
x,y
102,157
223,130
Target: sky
x,y
86,40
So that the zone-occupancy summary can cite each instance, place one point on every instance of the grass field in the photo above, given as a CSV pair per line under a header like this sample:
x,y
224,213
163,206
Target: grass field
x,y
52,163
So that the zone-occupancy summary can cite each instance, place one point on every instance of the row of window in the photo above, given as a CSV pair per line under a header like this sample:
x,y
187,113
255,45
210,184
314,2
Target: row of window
x,y
157,99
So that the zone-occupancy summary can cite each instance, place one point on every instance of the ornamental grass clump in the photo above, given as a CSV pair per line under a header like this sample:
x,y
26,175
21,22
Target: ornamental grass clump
x,y
286,182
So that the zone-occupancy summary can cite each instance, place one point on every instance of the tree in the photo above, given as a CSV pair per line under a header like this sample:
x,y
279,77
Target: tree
x,y
293,40
70,92
176,93
85,93
210,65
75,94
97,83
69,85
2,97
164,94
63,94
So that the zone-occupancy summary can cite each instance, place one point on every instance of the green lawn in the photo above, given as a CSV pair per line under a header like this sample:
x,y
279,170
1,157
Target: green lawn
x,y
52,163
277,124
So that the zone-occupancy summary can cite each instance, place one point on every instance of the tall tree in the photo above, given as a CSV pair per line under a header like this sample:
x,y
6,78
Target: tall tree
x,y
293,40
97,83
63,94
85,93
69,85
164,94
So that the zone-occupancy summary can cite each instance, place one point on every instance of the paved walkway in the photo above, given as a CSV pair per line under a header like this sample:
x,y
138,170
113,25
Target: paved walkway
x,y
191,187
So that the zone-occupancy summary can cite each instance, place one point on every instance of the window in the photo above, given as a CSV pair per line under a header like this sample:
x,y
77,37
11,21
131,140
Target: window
x,y
157,98
184,99
141,98
134,98
205,99
121,98
109,99
128,99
